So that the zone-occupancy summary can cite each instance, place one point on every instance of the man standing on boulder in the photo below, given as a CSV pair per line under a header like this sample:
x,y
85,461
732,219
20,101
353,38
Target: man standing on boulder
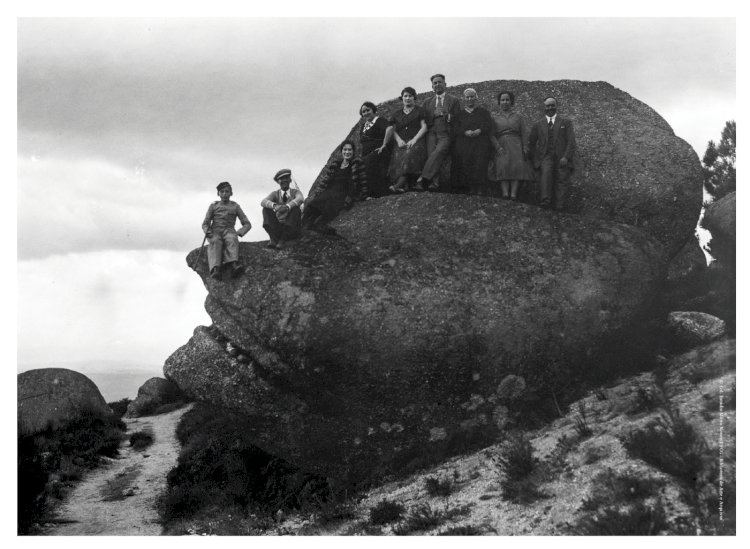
x,y
553,144
281,211
440,112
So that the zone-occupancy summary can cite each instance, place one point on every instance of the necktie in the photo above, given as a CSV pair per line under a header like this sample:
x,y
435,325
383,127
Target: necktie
x,y
439,110
549,124
285,197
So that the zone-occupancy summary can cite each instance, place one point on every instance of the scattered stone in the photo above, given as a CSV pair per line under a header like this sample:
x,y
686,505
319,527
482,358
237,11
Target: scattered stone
x,y
690,328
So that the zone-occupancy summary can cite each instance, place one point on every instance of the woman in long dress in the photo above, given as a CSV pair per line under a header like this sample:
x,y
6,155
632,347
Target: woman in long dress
x,y
374,139
510,166
471,146
410,154
343,183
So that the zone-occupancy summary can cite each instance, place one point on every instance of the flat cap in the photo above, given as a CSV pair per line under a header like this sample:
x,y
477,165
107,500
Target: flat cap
x,y
282,173
223,185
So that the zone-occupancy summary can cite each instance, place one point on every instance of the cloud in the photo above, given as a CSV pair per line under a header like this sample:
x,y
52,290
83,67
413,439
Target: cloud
x,y
74,205
135,307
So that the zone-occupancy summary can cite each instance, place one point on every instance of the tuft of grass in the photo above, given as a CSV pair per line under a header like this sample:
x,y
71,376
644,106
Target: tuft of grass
x,y
582,428
140,440
436,487
385,512
419,519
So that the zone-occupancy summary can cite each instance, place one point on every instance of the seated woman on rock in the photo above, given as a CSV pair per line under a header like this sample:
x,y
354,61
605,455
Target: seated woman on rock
x,y
343,183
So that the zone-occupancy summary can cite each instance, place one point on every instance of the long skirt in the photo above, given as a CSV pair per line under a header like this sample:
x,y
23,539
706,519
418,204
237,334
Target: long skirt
x,y
509,164
407,161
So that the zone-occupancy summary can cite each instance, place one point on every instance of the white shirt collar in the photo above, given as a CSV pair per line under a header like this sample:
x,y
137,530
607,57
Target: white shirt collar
x,y
551,119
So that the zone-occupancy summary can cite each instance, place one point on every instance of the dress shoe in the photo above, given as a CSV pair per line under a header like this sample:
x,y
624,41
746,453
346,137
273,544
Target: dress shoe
x,y
272,244
433,187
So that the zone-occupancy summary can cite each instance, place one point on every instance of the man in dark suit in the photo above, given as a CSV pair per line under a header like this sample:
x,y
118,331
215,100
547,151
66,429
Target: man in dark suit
x,y
552,143
440,112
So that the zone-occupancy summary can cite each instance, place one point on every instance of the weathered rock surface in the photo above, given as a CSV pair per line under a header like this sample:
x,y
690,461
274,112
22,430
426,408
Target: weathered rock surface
x,y
690,328
152,394
631,168
721,221
50,396
355,353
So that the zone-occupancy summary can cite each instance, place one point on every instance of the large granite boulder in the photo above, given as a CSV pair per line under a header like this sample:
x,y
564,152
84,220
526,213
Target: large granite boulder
x,y
154,393
351,353
48,397
631,168
721,221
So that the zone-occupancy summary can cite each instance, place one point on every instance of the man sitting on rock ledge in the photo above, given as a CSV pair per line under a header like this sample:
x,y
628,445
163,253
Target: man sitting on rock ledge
x,y
218,226
281,211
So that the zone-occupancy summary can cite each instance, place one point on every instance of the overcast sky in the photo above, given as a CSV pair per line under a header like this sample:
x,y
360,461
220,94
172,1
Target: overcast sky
x,y
125,126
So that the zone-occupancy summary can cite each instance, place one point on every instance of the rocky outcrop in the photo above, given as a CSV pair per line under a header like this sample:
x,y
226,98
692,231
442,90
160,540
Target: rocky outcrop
x,y
48,397
354,353
152,394
631,168
721,221
689,328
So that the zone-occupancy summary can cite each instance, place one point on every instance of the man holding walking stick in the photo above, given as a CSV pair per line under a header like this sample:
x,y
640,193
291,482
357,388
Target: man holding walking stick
x,y
223,240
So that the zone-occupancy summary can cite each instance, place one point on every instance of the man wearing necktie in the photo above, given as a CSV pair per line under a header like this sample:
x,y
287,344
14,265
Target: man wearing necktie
x,y
281,211
440,112
552,143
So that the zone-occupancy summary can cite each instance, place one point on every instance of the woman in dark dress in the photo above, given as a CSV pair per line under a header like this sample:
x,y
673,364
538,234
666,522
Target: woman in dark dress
x,y
471,146
343,183
374,139
511,164
410,154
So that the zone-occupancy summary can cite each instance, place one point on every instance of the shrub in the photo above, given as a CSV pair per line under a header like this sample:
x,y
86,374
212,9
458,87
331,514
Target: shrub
x,y
436,487
420,518
516,462
49,460
119,407
610,487
646,400
637,519
671,445
385,512
141,440
219,466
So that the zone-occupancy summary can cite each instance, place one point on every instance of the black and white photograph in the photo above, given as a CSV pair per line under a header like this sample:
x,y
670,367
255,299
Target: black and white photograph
x,y
383,270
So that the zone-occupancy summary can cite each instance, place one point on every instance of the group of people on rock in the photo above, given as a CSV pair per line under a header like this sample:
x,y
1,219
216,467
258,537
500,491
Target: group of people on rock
x,y
492,154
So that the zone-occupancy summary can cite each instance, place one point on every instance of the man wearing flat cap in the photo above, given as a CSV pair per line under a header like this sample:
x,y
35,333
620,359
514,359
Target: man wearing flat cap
x,y
218,226
281,211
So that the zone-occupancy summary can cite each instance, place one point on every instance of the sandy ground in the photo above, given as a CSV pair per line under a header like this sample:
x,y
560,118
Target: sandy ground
x,y
119,498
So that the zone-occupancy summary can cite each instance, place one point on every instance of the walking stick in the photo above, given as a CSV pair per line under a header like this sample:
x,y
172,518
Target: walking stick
x,y
203,244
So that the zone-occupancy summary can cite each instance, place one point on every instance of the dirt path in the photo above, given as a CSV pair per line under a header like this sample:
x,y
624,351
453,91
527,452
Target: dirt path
x,y
119,498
